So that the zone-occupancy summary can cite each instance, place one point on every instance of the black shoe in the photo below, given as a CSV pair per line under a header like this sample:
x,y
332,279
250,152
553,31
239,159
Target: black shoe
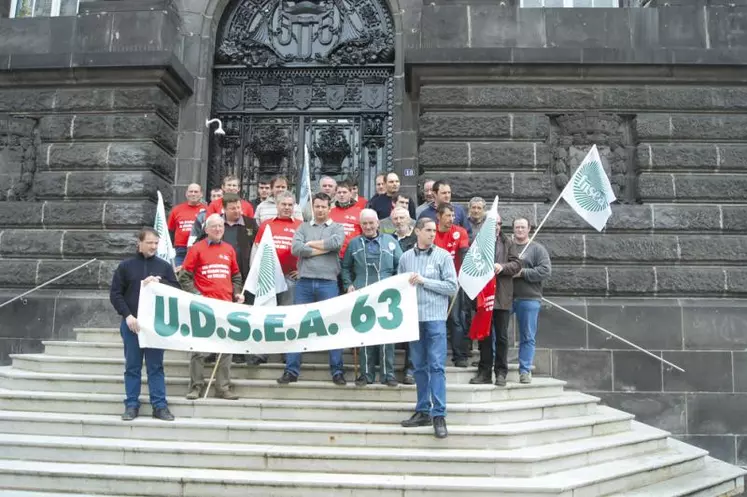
x,y
481,379
461,363
256,360
163,414
408,380
500,380
130,413
238,358
391,382
361,381
287,378
417,419
339,379
439,427
211,359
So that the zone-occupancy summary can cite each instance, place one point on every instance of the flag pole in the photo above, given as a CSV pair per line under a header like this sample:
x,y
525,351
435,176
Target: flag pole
x,y
531,238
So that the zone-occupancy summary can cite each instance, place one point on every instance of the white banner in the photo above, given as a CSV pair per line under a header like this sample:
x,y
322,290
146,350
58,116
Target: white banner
x,y
385,312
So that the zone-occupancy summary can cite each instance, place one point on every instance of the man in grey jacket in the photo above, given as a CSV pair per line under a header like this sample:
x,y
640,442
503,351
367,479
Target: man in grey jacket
x,y
317,245
535,268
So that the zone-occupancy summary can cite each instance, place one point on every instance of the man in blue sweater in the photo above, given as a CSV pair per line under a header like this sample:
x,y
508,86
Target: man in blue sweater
x,y
144,267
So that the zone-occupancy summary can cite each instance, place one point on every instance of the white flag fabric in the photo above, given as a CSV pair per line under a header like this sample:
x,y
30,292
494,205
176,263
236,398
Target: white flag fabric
x,y
165,249
478,266
265,279
304,191
589,192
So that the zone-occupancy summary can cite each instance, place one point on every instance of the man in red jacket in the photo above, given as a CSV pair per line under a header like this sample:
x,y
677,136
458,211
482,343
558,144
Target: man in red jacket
x,y
211,270
230,185
346,213
181,219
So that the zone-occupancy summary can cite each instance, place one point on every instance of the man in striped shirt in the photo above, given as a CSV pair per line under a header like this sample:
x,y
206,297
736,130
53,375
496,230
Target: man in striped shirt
x,y
434,275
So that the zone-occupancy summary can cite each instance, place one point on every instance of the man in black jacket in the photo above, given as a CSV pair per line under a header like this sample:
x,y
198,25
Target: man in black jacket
x,y
124,295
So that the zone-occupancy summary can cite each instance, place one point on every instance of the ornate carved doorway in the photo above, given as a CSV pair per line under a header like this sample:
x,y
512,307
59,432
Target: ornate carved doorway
x,y
295,74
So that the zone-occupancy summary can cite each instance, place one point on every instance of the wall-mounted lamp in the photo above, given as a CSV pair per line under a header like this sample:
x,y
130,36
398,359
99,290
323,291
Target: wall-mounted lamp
x,y
219,131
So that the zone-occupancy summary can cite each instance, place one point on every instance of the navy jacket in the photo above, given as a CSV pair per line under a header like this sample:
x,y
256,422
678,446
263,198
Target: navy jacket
x,y
382,204
125,289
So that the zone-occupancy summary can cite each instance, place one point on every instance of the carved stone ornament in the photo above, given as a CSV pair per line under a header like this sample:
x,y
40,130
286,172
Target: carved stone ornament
x,y
266,33
613,134
271,146
332,149
302,92
19,142
231,97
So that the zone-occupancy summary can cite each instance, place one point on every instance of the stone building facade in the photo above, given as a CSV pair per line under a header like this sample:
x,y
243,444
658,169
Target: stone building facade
x,y
99,111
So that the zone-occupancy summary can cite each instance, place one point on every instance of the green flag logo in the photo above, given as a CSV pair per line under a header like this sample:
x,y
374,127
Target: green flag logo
x,y
589,188
479,260
266,280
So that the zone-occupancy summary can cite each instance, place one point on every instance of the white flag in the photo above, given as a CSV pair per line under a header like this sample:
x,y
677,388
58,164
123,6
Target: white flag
x,y
165,249
304,190
478,266
589,191
265,279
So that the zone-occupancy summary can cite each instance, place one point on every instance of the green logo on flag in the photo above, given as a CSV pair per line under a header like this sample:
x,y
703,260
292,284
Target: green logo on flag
x,y
479,260
266,280
589,187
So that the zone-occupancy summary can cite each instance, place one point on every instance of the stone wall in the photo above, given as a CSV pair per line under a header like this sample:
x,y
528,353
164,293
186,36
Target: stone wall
x,y
87,136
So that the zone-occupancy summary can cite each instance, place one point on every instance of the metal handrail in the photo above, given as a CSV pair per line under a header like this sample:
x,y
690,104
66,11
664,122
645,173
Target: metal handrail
x,y
46,283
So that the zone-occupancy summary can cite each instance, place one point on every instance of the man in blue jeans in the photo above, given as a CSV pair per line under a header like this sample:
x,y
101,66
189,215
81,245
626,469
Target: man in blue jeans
x,y
535,268
317,245
124,295
432,272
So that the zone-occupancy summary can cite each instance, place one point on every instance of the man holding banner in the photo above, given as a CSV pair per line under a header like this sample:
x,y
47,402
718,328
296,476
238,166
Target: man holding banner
x,y
317,245
211,270
372,257
124,296
434,276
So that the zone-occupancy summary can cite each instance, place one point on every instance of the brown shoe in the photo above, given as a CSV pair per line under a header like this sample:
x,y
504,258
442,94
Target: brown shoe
x,y
226,394
195,393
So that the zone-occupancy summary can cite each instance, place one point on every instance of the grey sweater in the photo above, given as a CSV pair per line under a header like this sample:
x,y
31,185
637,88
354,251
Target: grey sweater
x,y
536,268
323,267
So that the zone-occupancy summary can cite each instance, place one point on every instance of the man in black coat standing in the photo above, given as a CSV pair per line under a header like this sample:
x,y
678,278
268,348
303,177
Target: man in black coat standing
x,y
124,295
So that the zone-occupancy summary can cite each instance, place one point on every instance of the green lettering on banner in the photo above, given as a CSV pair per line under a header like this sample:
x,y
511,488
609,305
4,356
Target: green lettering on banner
x,y
312,324
160,325
272,323
197,312
241,321
363,317
394,298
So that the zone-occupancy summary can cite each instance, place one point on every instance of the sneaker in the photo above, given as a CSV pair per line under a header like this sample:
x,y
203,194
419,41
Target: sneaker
x,y
461,363
481,379
417,419
339,379
525,378
163,414
226,394
439,427
408,380
195,393
361,381
391,382
130,413
287,378
500,380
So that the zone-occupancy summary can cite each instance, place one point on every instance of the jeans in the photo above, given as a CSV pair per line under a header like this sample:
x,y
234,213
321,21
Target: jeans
x,y
494,348
134,368
458,332
181,254
308,291
429,358
527,315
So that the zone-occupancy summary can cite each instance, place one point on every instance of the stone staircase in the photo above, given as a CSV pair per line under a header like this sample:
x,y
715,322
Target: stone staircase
x,y
60,435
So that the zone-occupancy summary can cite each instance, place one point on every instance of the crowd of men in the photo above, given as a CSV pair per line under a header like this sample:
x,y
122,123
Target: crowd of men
x,y
340,243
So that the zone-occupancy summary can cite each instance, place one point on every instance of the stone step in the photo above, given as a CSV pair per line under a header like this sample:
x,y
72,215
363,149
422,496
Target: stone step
x,y
13,379
486,413
45,363
520,462
593,479
716,479
25,493
114,350
605,421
